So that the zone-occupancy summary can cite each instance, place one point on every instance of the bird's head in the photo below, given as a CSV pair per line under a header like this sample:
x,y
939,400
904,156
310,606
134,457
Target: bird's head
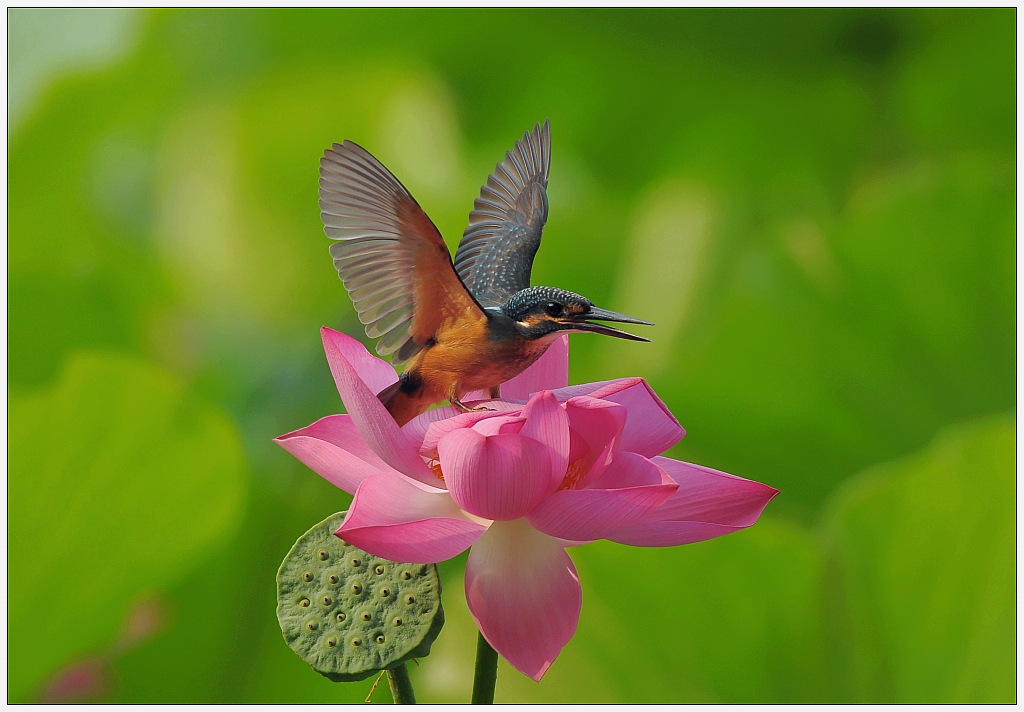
x,y
540,311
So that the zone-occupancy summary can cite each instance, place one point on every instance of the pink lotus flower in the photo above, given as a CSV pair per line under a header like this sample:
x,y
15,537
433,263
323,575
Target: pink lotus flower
x,y
550,466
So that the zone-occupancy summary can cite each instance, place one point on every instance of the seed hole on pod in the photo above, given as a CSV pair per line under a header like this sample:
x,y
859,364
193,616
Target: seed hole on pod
x,y
407,574
312,625
341,617
379,639
379,570
323,555
365,615
356,587
356,642
384,592
326,600
307,576
304,602
356,562
333,578
332,641
409,598
397,621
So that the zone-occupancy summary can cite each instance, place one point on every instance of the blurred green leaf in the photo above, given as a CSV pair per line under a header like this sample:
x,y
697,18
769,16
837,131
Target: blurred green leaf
x,y
206,643
724,621
925,552
808,349
815,206
44,42
79,257
118,482
953,93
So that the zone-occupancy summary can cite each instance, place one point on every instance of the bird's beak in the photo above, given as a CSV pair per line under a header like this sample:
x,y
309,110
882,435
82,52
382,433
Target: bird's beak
x,y
581,322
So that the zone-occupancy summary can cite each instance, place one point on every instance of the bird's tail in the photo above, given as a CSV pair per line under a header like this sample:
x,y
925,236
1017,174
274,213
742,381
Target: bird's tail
x,y
404,403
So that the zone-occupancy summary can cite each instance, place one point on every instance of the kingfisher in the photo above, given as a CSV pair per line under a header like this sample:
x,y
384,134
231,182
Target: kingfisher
x,y
464,325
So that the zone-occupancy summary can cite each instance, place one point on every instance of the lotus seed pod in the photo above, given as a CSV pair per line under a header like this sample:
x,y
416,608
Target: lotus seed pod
x,y
348,613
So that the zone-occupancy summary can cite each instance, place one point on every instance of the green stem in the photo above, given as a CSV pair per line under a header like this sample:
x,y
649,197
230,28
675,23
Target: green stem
x,y
401,685
486,673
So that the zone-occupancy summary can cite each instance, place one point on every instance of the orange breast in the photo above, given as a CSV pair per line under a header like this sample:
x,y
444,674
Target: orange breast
x,y
464,358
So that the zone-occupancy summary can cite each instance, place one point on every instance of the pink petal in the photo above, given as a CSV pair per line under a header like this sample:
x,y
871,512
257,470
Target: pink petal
x,y
499,477
376,373
333,448
598,424
439,421
650,428
499,424
401,520
627,469
548,423
524,594
349,362
417,428
588,514
549,372
427,429
707,504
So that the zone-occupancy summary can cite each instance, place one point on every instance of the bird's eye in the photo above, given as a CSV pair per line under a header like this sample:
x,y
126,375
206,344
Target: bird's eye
x,y
553,309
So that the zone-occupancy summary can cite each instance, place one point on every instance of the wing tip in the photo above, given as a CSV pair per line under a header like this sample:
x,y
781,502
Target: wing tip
x,y
347,146
543,129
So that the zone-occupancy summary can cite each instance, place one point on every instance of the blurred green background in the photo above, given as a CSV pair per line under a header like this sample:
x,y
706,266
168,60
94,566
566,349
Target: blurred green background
x,y
816,208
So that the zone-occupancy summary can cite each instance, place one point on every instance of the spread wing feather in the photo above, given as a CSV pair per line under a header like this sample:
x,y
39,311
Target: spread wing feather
x,y
390,256
496,253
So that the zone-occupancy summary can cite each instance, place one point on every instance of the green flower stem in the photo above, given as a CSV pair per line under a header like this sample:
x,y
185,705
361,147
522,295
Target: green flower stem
x,y
401,685
486,673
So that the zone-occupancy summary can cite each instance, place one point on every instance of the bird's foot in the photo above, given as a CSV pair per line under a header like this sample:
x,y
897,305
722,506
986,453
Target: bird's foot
x,y
466,409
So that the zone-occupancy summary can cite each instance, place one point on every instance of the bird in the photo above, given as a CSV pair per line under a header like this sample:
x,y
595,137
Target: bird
x,y
459,326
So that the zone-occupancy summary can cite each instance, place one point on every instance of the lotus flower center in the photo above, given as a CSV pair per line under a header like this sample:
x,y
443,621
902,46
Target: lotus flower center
x,y
435,467
573,474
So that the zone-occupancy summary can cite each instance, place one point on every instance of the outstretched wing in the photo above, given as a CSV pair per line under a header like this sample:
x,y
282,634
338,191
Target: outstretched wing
x,y
389,254
496,253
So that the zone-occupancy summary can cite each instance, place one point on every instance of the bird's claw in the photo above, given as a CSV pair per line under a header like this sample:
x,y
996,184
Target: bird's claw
x,y
467,409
